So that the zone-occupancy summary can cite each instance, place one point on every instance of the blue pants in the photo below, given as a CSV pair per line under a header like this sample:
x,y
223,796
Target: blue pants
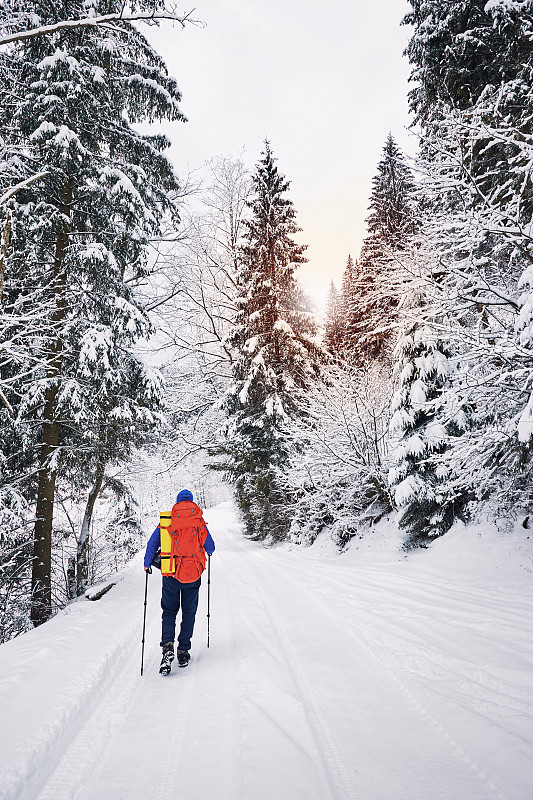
x,y
174,595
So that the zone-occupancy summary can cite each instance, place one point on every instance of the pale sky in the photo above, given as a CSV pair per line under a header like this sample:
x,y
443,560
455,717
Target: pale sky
x,y
324,82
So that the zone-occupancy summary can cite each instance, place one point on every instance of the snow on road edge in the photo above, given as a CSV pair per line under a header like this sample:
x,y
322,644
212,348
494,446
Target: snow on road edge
x,y
53,677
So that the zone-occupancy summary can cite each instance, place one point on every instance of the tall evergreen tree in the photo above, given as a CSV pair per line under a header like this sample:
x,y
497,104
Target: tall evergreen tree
x,y
420,479
334,333
376,282
472,59
348,278
459,48
276,354
393,210
79,246
473,72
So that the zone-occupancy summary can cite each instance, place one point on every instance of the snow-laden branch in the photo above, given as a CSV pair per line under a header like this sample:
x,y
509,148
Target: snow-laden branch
x,y
91,22
12,191
5,402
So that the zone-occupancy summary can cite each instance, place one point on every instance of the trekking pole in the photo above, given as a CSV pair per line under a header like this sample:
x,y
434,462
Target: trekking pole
x,y
148,571
208,594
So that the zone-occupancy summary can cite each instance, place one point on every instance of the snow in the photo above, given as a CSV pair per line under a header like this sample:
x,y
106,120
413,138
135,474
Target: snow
x,y
367,675
283,327
436,433
414,446
418,392
274,407
401,419
143,81
99,74
59,56
43,130
122,185
243,394
498,3
411,487
251,345
525,423
95,346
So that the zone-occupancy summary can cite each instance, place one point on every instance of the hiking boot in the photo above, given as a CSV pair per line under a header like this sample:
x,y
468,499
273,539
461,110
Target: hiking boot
x,y
168,658
183,658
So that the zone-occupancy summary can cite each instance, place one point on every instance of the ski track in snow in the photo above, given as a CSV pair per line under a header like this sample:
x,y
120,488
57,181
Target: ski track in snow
x,y
335,775
417,702
449,689
326,680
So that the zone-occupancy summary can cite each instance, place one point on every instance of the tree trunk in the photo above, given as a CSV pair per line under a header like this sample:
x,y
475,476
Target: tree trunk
x,y
41,579
273,309
71,577
4,244
82,563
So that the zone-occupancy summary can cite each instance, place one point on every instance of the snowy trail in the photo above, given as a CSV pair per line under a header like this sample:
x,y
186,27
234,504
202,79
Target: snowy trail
x,y
327,679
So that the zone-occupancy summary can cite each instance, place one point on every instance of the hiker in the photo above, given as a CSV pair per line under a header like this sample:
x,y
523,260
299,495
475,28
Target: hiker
x,y
182,538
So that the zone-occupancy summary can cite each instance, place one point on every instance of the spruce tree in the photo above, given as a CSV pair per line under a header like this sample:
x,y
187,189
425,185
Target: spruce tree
x,y
348,277
333,334
473,74
472,60
276,354
79,247
376,282
393,210
461,47
421,480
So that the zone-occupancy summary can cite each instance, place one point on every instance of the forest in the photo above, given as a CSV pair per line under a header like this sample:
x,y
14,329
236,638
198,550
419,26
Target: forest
x,y
143,321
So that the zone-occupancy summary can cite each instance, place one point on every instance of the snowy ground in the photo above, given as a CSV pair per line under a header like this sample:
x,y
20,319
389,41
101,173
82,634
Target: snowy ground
x,y
365,676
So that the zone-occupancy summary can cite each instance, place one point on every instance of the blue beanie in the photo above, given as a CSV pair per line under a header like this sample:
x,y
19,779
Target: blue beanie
x,y
185,494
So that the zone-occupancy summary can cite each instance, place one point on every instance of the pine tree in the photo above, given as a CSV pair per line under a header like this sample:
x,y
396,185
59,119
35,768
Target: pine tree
x,y
421,480
460,48
376,282
333,334
276,354
345,299
472,59
393,210
79,247
473,73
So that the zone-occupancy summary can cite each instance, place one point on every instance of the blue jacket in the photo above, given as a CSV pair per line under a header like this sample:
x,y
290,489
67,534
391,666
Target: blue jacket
x,y
154,542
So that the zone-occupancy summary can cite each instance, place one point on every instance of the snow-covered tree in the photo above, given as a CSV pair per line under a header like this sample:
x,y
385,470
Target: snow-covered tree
x,y
377,280
480,287
193,309
461,47
197,274
346,288
420,485
276,353
473,99
393,209
339,482
79,246
334,327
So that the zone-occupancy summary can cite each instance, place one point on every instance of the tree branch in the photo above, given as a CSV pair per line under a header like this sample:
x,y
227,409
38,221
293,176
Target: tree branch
x,y
91,22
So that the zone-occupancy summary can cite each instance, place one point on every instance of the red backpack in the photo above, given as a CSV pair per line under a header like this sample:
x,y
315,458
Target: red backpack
x,y
188,532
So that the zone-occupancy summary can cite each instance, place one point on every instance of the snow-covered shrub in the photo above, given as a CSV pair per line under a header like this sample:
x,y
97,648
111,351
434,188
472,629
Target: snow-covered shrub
x,y
337,479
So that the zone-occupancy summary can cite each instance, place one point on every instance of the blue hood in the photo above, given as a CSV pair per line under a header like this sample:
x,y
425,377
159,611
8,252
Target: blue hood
x,y
185,494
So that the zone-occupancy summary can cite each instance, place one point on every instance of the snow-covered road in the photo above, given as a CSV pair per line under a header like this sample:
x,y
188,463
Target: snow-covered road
x,y
327,678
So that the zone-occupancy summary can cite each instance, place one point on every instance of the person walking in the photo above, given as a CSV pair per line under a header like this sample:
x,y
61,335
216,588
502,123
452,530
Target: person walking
x,y
183,540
